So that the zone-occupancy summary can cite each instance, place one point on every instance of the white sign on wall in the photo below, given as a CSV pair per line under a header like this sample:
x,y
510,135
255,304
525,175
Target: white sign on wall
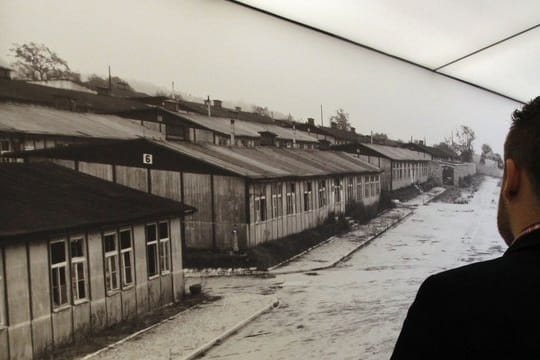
x,y
148,159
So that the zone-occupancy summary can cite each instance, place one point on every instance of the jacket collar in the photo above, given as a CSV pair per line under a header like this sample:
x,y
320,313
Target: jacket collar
x,y
526,241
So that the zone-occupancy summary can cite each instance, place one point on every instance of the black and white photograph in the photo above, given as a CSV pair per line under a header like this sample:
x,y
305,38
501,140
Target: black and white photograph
x,y
269,179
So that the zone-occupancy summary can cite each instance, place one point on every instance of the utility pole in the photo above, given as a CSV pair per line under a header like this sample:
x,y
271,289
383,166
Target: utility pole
x,y
322,122
110,81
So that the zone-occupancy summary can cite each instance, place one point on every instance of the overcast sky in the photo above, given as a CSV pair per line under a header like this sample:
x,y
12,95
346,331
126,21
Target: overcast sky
x,y
212,47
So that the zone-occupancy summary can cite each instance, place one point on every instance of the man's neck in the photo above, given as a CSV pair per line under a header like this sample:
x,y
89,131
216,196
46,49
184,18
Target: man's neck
x,y
534,226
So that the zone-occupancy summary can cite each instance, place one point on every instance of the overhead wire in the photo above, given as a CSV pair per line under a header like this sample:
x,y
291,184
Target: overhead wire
x,y
395,57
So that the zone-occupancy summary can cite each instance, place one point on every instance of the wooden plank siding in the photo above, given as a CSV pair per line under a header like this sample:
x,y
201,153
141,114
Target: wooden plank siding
x,y
224,204
32,326
197,193
229,211
102,171
166,184
135,178
304,217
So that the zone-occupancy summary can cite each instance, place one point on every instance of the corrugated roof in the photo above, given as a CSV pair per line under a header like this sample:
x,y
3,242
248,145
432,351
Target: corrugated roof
x,y
31,119
247,128
22,91
397,153
262,162
271,162
434,151
43,197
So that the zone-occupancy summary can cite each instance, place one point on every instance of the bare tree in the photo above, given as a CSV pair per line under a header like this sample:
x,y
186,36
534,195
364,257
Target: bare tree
x,y
37,62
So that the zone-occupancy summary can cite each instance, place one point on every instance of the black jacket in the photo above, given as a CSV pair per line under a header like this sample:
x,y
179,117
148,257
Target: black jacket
x,y
486,310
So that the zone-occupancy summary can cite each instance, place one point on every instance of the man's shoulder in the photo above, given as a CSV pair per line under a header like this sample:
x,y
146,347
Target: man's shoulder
x,y
471,275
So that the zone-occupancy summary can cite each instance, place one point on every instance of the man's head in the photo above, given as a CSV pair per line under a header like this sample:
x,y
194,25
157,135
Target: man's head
x,y
519,203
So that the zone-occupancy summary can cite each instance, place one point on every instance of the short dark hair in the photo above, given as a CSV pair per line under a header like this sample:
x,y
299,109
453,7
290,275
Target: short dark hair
x,y
523,141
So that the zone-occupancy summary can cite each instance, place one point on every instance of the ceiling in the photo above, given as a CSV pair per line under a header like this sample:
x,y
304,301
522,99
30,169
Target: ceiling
x,y
492,44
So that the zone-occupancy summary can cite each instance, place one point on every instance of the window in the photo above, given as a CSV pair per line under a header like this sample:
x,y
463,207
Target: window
x,y
78,269
373,189
367,187
323,200
378,185
350,190
337,190
58,258
4,146
126,257
158,248
111,262
152,249
359,188
291,198
164,248
308,196
260,204
277,200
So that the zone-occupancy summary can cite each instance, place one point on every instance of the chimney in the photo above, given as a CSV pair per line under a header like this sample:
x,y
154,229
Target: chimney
x,y
232,133
207,103
311,121
218,104
333,125
268,138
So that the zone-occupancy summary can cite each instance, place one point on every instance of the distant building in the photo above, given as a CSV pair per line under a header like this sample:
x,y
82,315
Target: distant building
x,y
435,152
402,167
63,98
5,72
79,254
27,127
197,128
63,84
246,194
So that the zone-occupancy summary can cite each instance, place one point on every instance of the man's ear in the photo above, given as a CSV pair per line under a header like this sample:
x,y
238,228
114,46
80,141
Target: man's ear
x,y
513,180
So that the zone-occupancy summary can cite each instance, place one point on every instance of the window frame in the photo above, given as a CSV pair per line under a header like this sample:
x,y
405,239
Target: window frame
x,y
290,198
338,183
359,188
123,253
154,243
111,258
276,191
74,270
350,190
308,196
164,244
367,187
57,266
323,199
259,205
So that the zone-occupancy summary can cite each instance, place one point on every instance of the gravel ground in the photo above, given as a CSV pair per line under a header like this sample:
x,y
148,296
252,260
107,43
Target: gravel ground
x,y
355,311
179,337
339,246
